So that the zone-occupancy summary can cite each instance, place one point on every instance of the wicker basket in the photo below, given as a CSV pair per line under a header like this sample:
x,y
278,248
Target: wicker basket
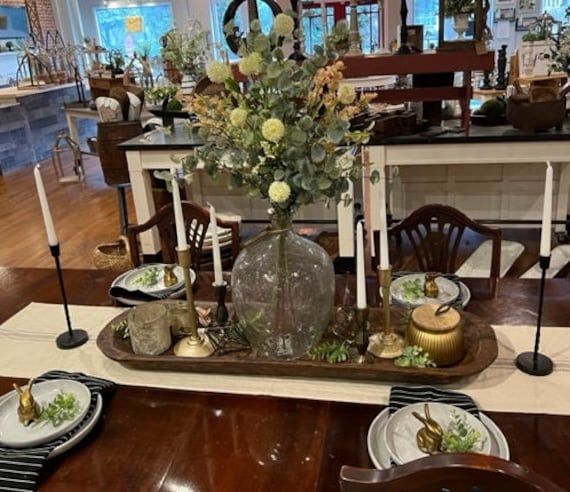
x,y
113,256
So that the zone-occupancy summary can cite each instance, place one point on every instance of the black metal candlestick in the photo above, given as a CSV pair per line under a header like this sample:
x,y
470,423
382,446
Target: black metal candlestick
x,y
70,338
535,363
404,48
361,339
221,309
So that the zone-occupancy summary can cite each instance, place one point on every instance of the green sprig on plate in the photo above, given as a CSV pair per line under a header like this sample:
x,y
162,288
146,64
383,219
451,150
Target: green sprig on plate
x,y
64,407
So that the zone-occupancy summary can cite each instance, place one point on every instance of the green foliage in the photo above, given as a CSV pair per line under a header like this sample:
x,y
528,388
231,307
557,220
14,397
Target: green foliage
x,y
64,407
158,94
459,437
456,7
121,329
187,49
304,97
332,352
414,356
493,108
412,289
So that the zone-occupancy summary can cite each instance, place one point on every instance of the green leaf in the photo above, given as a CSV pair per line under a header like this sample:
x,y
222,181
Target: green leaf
x,y
318,153
324,183
261,43
307,183
298,136
335,135
279,175
305,123
274,70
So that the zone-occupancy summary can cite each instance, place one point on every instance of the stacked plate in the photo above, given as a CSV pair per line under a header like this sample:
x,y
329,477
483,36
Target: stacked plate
x,y
128,287
224,237
15,435
405,290
392,439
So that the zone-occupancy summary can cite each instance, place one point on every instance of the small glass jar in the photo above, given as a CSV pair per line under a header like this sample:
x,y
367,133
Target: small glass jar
x,y
150,329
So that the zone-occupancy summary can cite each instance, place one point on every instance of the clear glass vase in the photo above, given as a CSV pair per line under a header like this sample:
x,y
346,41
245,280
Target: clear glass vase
x,y
283,292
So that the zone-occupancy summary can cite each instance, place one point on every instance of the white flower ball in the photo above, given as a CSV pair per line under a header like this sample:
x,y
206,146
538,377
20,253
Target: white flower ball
x,y
283,25
250,64
279,192
238,117
218,72
346,94
273,130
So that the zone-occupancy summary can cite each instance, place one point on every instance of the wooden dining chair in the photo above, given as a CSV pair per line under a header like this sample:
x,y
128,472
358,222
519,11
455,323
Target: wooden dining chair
x,y
434,232
447,473
196,220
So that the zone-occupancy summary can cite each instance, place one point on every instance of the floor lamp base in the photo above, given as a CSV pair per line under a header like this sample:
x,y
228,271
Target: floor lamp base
x,y
67,341
543,366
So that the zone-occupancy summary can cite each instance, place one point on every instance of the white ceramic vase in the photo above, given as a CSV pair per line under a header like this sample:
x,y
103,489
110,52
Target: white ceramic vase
x,y
460,25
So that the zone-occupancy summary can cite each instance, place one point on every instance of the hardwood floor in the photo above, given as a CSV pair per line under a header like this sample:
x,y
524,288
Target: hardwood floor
x,y
85,214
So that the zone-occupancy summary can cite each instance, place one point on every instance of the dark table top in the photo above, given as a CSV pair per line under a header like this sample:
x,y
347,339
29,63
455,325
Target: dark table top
x,y
153,439
182,139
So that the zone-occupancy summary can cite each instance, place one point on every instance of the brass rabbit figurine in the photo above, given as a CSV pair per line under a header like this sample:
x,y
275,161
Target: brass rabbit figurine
x,y
170,277
28,409
430,436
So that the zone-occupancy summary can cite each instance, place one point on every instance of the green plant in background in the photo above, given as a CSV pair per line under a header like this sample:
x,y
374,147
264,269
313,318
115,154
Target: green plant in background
x,y
288,137
187,49
159,93
414,356
332,352
458,7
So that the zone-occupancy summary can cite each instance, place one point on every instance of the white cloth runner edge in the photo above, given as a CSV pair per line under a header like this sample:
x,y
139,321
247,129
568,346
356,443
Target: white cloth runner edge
x,y
27,348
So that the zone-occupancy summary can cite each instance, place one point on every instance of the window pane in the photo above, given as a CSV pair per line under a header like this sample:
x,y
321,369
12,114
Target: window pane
x,y
556,8
313,26
367,26
426,14
113,34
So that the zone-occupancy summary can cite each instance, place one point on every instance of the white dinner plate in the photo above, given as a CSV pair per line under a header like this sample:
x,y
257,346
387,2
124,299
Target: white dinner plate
x,y
448,290
380,456
402,427
85,428
132,278
13,434
119,282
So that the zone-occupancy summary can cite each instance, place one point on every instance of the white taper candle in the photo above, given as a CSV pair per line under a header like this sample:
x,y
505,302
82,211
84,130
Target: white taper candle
x,y
178,214
218,278
546,213
360,272
384,254
48,221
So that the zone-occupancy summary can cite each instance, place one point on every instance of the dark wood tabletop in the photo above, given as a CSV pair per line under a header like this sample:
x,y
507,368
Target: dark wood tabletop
x,y
153,439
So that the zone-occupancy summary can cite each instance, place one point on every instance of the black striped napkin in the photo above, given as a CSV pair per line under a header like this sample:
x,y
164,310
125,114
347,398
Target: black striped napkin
x,y
20,469
402,396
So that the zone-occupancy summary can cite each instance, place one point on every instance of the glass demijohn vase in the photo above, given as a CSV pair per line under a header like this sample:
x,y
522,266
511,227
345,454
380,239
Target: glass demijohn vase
x,y
283,291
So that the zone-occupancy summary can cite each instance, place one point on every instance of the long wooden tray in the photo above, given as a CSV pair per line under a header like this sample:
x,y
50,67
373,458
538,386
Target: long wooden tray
x,y
480,342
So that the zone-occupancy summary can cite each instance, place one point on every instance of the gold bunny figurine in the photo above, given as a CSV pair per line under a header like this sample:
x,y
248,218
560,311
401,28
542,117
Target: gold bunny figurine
x,y
430,436
28,410
170,277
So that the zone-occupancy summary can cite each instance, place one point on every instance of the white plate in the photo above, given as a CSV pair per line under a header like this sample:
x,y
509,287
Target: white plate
x,y
119,282
465,294
448,290
132,276
380,456
402,427
14,435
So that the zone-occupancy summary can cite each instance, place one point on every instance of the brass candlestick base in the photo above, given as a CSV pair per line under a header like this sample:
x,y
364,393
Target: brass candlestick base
x,y
195,345
386,345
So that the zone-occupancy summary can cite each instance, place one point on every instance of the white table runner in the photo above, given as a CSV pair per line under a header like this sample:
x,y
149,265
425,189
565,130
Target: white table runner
x,y
27,349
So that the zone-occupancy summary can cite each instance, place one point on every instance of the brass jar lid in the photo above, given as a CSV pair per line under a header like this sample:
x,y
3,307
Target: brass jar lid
x,y
424,317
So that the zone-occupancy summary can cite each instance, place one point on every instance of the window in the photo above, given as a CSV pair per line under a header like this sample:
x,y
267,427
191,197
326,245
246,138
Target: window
x,y
556,8
426,13
132,29
369,22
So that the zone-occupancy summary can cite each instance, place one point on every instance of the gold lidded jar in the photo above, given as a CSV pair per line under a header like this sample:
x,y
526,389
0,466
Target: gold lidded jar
x,y
439,333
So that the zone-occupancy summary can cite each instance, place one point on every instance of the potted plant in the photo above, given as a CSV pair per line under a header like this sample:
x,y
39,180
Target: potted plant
x,y
286,139
537,47
460,11
186,51
339,37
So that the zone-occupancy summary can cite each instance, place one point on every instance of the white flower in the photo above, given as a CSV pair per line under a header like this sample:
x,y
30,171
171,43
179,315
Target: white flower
x,y
273,130
250,64
279,192
283,25
218,72
346,94
238,117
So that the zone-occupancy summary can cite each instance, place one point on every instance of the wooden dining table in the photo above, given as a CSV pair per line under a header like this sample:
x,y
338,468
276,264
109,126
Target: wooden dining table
x,y
154,439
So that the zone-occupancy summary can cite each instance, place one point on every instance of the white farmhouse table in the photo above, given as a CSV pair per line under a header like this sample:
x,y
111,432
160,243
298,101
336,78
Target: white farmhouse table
x,y
483,146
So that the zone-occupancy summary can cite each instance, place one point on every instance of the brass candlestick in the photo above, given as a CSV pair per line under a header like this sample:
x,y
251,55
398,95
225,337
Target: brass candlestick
x,y
194,345
386,345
